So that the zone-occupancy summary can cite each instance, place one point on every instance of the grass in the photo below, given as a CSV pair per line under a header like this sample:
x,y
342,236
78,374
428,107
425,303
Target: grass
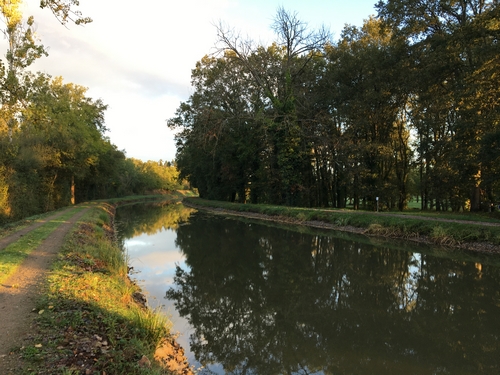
x,y
13,255
405,226
173,195
8,228
88,319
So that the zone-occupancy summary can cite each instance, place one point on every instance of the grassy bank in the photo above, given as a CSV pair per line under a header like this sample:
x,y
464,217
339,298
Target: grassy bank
x,y
448,229
170,196
91,318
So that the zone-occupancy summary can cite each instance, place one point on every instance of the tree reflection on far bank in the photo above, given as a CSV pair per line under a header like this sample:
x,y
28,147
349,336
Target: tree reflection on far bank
x,y
151,218
265,300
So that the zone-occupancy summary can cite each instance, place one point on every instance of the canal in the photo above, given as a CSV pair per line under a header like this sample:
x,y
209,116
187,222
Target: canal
x,y
259,298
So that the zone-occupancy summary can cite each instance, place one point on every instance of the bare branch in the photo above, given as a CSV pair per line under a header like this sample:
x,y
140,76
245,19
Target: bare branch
x,y
293,34
293,39
242,49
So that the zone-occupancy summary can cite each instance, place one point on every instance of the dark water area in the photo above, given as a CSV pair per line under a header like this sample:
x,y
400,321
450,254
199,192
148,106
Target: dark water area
x,y
262,299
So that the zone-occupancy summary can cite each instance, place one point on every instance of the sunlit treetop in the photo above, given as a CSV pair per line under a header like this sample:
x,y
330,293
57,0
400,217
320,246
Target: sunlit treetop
x,y
11,12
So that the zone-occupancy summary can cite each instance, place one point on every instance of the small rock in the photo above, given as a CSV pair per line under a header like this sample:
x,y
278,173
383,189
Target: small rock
x,y
144,362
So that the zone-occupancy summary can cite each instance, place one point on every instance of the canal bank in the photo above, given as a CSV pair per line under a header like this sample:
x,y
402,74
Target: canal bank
x,y
475,233
90,317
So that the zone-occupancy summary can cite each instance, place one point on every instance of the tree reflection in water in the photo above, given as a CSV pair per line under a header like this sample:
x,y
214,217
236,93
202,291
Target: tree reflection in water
x,y
265,300
151,218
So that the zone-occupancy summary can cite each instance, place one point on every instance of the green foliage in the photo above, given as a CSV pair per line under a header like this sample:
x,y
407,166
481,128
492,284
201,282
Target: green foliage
x,y
65,11
156,175
405,105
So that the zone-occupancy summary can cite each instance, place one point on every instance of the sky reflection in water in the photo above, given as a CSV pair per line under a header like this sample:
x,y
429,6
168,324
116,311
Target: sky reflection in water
x,y
154,258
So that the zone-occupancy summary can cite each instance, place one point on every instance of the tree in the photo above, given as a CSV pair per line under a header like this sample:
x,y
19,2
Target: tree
x,y
369,96
218,145
307,122
69,124
454,47
22,52
287,61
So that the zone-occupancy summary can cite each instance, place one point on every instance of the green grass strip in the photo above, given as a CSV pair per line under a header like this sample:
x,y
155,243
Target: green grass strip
x,y
383,224
13,255
174,195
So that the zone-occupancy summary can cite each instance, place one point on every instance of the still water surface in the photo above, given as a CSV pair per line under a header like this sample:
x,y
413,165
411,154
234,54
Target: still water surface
x,y
249,298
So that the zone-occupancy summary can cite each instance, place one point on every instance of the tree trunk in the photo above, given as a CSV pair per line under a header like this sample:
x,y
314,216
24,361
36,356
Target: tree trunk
x,y
72,189
356,195
475,199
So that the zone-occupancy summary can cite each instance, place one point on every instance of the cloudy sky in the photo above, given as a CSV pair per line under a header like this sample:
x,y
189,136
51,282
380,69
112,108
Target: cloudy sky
x,y
137,56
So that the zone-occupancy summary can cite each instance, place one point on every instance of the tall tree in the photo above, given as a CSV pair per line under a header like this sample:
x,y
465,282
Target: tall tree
x,y
295,48
369,95
454,45
23,50
70,124
217,143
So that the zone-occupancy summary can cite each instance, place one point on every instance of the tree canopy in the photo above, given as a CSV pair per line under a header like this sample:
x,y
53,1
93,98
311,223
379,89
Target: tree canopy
x,y
53,145
404,106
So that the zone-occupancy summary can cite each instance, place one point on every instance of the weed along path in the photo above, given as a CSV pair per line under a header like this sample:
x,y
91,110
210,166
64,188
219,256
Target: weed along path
x,y
19,292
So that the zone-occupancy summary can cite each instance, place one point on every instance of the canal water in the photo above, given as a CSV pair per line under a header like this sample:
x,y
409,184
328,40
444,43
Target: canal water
x,y
253,298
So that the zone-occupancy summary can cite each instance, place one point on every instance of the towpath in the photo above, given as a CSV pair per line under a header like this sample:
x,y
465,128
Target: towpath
x,y
19,293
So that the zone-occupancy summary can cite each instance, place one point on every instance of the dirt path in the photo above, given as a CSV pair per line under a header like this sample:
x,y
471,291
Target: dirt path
x,y
19,293
13,237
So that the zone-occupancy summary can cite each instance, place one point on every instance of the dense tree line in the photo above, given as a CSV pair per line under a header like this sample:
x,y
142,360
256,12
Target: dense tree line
x,y
406,105
53,148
